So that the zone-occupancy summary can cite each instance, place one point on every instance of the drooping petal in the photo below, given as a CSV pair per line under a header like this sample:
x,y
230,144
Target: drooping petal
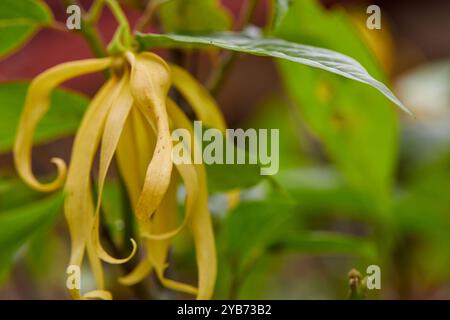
x,y
188,174
98,294
150,82
36,105
134,152
204,106
113,128
165,219
137,133
78,206
200,223
96,266
142,270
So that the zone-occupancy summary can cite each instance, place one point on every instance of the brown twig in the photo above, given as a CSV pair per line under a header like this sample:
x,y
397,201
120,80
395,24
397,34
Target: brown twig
x,y
220,74
147,16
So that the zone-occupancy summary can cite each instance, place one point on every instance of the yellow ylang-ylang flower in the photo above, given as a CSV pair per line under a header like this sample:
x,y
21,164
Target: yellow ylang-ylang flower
x,y
130,117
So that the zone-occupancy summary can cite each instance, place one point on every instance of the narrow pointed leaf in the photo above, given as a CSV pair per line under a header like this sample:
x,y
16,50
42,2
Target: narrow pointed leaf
x,y
272,47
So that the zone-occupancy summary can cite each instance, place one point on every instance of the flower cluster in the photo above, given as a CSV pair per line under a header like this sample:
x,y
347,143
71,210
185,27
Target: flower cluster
x,y
130,117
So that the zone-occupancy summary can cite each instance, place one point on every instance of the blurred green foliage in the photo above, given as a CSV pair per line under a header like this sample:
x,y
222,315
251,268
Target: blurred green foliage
x,y
356,125
194,16
19,20
66,110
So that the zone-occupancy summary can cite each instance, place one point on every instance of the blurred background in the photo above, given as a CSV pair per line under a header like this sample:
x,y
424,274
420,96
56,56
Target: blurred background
x,y
366,184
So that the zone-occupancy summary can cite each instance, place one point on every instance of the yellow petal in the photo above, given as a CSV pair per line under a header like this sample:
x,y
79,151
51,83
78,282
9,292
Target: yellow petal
x,y
78,205
204,106
138,274
164,219
149,84
111,135
36,105
134,152
97,294
200,222
188,174
96,265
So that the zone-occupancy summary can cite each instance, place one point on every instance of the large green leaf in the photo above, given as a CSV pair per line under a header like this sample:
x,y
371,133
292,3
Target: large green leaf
x,y
254,44
357,127
65,114
194,16
19,20
20,224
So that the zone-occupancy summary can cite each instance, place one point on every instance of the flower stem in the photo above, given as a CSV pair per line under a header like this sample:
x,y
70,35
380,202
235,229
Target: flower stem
x,y
95,11
148,15
89,31
92,36
122,20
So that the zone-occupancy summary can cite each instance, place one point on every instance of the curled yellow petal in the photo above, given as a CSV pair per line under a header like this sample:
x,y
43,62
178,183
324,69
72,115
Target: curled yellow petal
x,y
96,265
113,128
149,84
98,295
204,106
188,174
134,152
138,274
78,205
137,133
165,218
200,223
36,105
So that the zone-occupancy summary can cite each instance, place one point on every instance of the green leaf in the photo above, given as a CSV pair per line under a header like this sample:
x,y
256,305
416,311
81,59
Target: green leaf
x,y
67,109
321,242
419,195
275,113
41,253
325,59
14,193
18,225
357,127
251,228
225,177
19,20
194,16
322,190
